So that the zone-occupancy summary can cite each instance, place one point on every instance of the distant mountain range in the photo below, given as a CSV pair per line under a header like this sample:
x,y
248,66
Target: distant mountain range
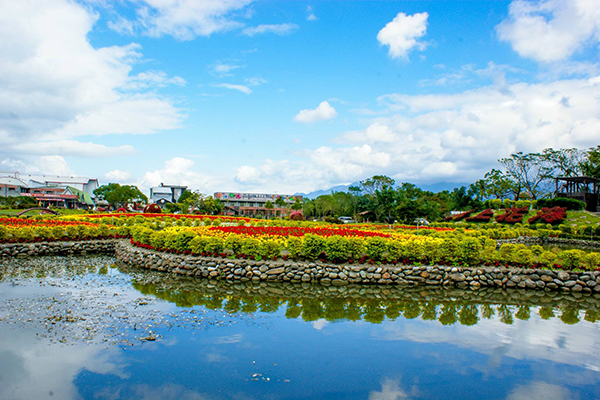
x,y
434,187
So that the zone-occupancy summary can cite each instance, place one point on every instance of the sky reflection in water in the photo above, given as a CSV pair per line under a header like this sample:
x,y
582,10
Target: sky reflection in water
x,y
225,341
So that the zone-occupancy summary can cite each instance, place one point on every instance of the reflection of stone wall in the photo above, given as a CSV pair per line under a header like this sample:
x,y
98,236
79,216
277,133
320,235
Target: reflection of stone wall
x,y
547,241
299,271
48,248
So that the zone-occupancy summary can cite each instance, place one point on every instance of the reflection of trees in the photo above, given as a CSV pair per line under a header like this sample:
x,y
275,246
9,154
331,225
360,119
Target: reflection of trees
x,y
569,316
468,315
371,309
313,302
546,312
505,313
448,314
523,313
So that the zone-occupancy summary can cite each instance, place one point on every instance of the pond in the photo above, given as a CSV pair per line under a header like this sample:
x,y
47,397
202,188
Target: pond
x,y
88,328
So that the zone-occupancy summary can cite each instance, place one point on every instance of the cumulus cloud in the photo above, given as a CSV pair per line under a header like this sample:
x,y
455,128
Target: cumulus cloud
x,y
279,29
551,30
176,171
322,113
57,86
239,88
446,137
182,19
117,175
540,390
402,34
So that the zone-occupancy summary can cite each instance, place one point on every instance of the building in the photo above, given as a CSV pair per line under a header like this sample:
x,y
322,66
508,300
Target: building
x,y
164,194
583,188
12,186
50,190
253,204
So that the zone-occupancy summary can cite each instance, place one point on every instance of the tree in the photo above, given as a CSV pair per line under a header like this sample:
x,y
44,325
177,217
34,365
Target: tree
x,y
280,202
190,199
564,162
530,171
269,205
591,166
297,205
376,183
211,206
500,186
117,195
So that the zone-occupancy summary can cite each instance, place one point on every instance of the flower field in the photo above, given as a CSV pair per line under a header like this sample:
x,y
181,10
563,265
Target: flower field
x,y
259,239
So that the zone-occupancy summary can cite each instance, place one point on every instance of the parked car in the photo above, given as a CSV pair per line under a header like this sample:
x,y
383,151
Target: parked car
x,y
346,220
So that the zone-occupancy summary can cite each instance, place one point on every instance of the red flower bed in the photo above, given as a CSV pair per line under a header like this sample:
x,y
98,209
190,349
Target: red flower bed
x,y
459,217
23,222
294,231
513,215
483,216
174,216
554,215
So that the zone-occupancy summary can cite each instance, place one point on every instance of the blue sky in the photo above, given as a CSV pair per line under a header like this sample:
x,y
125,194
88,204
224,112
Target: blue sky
x,y
292,96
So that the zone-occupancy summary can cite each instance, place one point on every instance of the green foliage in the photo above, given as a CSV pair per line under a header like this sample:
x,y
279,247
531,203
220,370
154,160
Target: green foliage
x,y
294,246
449,250
548,259
3,232
217,222
58,232
117,195
572,259
524,256
157,239
375,248
214,245
592,261
395,250
234,243
251,247
183,239
336,248
270,248
43,232
198,244
26,233
313,246
468,250
570,204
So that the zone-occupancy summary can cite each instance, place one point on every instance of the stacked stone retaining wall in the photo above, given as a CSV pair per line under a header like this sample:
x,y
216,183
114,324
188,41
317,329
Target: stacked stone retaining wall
x,y
48,248
303,271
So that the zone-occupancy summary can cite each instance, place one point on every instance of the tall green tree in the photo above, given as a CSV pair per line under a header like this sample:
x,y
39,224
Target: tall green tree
x,y
117,195
591,165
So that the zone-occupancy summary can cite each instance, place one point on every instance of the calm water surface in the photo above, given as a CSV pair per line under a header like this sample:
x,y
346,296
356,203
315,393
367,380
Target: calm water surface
x,y
86,328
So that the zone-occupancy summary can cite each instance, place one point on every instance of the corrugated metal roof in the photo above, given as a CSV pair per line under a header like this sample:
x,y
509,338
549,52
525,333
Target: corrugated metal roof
x,y
6,180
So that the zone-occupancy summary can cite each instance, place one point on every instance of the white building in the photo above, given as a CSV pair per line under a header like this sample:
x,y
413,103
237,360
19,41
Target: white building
x,y
164,194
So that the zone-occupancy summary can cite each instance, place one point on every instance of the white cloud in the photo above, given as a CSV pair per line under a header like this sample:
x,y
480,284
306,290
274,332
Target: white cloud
x,y
239,88
446,137
256,81
182,19
551,30
390,390
177,171
224,70
279,29
311,14
49,165
117,176
322,113
402,32
540,390
72,148
57,86
148,79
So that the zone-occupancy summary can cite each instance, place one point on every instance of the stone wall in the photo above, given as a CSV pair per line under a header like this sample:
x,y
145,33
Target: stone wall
x,y
49,248
324,273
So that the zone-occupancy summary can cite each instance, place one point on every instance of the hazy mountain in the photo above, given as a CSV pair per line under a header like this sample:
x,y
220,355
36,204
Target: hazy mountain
x,y
433,187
